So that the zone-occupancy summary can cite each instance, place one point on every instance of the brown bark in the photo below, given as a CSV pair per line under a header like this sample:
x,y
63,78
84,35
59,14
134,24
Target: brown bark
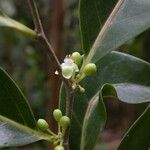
x,y
55,37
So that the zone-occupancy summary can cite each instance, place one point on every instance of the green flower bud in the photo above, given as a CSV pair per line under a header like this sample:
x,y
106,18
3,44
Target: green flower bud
x,y
90,69
57,114
59,147
76,58
82,90
64,122
42,124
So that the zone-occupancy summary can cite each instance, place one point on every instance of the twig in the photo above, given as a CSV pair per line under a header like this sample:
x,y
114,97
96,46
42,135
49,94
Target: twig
x,y
69,102
50,52
41,34
43,39
36,17
69,111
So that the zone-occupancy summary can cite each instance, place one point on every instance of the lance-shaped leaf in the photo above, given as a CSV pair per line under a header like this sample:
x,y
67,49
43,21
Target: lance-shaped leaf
x,y
137,137
14,134
13,105
129,76
94,122
113,70
5,21
93,14
128,19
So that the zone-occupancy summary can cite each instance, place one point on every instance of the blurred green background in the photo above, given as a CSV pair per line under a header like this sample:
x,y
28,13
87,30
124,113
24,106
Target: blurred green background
x,y
25,60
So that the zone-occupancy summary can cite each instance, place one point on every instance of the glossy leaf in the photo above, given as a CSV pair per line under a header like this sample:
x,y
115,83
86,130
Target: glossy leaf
x,y
94,122
126,73
114,69
128,19
93,14
14,134
129,76
5,21
132,93
17,123
138,136
13,104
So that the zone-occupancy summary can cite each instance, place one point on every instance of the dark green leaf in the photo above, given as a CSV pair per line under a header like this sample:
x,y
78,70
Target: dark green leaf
x,y
128,19
15,134
13,104
129,76
94,121
138,136
93,14
17,122
5,21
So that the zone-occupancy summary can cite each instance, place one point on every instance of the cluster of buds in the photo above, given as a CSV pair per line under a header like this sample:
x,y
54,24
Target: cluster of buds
x,y
63,123
74,69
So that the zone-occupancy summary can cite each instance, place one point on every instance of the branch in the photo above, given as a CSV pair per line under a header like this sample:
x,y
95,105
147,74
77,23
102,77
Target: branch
x,y
43,39
36,17
50,52
41,34
69,111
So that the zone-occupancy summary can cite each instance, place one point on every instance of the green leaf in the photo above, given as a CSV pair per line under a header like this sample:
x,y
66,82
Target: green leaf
x,y
13,103
132,93
114,69
128,19
5,21
93,124
17,123
93,14
89,123
108,90
14,134
138,136
129,76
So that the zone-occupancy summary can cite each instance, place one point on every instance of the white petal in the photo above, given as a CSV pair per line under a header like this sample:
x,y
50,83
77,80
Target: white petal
x,y
68,61
67,72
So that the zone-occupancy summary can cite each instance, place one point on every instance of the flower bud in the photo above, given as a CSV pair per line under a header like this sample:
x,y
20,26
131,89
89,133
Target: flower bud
x,y
42,124
82,90
90,69
57,114
59,147
64,122
76,58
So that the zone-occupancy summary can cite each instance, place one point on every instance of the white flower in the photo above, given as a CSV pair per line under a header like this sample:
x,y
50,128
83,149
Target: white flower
x,y
69,68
